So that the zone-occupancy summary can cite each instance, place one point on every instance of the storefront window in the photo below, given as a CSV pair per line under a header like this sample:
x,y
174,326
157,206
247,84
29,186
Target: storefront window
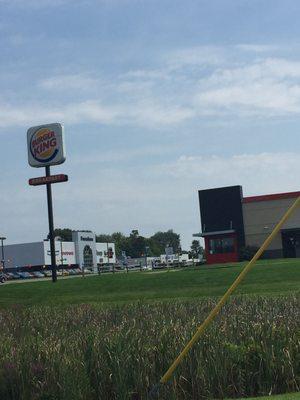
x,y
221,246
88,261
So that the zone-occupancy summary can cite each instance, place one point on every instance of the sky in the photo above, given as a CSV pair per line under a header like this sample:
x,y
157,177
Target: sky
x,y
159,99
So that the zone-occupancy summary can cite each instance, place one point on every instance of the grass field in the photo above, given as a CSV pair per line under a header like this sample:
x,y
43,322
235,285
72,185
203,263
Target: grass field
x,y
108,337
293,396
280,277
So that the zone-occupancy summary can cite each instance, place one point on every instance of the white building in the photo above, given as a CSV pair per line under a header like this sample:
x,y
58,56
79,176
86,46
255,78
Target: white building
x,y
83,251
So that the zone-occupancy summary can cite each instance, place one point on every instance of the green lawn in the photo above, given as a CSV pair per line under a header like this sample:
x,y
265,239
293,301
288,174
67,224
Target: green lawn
x,y
293,396
267,278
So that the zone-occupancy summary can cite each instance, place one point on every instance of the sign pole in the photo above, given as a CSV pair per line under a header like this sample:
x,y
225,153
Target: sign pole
x,y
45,146
51,227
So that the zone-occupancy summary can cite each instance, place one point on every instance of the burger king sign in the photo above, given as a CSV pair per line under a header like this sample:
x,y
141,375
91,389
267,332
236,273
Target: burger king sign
x,y
46,145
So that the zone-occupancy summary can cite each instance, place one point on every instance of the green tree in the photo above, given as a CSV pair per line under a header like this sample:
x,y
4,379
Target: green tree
x,y
119,240
103,238
134,245
160,240
64,233
196,249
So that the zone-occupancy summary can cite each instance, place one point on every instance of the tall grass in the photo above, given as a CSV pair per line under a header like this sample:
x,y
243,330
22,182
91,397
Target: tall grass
x,y
88,352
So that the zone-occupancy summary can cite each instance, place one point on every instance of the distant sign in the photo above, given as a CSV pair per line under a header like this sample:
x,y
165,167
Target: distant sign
x,y
46,145
43,180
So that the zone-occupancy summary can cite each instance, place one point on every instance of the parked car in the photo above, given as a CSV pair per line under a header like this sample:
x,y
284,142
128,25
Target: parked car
x,y
88,271
119,267
71,271
13,275
38,274
2,278
25,275
47,273
74,271
159,266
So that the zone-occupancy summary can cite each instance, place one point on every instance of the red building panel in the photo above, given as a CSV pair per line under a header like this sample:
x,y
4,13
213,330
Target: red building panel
x,y
217,257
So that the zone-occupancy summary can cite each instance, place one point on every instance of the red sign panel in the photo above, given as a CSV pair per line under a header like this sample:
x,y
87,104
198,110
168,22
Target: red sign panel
x,y
44,180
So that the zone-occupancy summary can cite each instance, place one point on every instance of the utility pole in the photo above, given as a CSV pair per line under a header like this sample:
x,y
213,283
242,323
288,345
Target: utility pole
x,y
60,239
61,257
146,256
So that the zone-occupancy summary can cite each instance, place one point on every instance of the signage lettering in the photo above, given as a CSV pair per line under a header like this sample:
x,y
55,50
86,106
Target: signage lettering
x,y
64,253
46,145
43,143
86,239
43,180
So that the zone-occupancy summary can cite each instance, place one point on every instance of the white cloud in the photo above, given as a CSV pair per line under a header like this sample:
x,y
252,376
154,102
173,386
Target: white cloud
x,y
258,173
143,114
145,74
66,82
110,197
156,115
72,113
38,4
256,48
178,88
263,98
195,56
268,87
41,3
265,87
164,195
267,68
110,157
189,84
174,184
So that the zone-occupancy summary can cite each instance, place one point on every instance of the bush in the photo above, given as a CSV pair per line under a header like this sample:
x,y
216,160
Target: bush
x,y
248,252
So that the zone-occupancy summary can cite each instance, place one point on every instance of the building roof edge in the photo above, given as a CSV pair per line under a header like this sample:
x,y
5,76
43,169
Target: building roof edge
x,y
270,197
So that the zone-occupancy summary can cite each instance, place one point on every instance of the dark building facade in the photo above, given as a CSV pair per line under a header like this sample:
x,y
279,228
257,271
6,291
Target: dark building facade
x,y
230,221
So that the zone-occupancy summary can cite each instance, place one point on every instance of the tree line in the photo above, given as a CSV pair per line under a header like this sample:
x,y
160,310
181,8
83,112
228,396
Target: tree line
x,y
135,245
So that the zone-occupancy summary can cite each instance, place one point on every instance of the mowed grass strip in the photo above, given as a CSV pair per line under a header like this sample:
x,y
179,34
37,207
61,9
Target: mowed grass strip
x,y
292,396
267,277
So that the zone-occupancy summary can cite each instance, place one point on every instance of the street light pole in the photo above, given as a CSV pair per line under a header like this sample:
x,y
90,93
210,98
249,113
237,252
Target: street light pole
x,y
60,239
2,250
146,256
61,257
107,253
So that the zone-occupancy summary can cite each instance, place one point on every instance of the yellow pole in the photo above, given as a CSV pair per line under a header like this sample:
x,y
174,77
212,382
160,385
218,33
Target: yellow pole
x,y
166,377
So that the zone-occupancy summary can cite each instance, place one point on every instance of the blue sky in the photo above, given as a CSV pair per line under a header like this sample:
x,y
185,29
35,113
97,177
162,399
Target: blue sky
x,y
158,98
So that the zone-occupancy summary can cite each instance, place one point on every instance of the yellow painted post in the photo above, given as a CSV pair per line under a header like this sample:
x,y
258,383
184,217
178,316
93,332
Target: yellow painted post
x,y
166,377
